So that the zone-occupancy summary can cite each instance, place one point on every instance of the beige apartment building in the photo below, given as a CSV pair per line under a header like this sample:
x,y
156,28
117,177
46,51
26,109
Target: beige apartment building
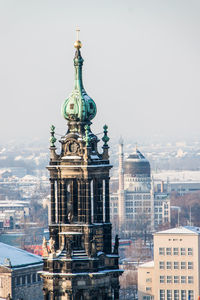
x,y
174,273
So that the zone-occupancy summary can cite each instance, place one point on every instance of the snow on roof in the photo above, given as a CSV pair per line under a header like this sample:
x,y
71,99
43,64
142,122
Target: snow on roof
x,y
149,264
18,257
181,230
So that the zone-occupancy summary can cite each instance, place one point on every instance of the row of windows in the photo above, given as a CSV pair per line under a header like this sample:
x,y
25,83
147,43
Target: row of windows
x,y
176,265
175,251
27,279
176,279
138,203
182,294
132,210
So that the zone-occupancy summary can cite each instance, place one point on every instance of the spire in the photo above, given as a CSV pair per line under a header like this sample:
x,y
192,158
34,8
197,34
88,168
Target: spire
x,y
78,107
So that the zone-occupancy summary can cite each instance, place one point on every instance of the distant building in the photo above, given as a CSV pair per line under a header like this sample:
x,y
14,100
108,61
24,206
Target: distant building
x,y
174,273
136,206
12,212
18,274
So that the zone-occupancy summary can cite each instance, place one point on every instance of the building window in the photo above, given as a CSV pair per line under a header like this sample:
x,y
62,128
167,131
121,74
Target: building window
x,y
176,265
23,279
183,279
191,295
162,294
169,294
162,265
176,294
169,279
38,277
182,251
183,265
34,277
149,279
18,281
162,279
183,294
190,279
176,279
169,265
148,289
190,265
28,278
175,251
190,251
169,251
161,251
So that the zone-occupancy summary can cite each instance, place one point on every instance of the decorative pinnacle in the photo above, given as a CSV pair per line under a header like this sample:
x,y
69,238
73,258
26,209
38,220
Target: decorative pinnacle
x,y
87,138
105,138
52,138
77,44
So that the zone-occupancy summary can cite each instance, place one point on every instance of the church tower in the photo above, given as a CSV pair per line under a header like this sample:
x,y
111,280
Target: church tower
x,y
79,262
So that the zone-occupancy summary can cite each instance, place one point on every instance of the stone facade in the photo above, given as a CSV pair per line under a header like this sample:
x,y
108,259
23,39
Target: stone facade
x,y
80,262
21,284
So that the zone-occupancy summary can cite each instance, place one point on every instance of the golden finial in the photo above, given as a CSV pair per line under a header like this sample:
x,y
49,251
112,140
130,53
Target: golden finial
x,y
77,44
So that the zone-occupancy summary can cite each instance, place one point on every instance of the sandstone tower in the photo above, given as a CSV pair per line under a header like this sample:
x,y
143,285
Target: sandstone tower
x,y
79,262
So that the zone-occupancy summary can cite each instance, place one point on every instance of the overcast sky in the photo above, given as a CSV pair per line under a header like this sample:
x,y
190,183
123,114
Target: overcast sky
x,y
141,66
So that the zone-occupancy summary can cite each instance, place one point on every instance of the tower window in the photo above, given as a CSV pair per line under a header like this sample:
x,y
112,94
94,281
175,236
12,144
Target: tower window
x,y
71,106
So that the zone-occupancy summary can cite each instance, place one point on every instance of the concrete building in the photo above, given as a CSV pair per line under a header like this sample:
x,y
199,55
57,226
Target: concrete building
x,y
136,206
175,272
80,263
19,278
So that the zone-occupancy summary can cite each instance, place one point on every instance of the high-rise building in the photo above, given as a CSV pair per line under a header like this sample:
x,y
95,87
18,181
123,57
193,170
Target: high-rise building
x,y
136,206
80,263
174,273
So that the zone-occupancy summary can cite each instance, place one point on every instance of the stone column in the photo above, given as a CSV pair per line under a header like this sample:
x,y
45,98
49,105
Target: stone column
x,y
74,199
107,201
88,201
79,201
100,201
53,211
59,208
63,201
95,200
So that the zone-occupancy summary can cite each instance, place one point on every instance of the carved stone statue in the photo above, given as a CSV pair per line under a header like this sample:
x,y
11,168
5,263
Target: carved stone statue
x,y
52,245
70,217
93,247
69,247
45,251
116,246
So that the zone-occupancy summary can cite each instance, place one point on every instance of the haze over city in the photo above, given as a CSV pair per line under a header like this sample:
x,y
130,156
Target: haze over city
x,y
141,66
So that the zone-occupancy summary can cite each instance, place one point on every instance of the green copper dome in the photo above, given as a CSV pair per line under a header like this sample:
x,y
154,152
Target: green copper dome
x,y
79,106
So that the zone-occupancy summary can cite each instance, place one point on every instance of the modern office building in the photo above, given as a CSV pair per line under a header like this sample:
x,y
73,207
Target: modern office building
x,y
175,271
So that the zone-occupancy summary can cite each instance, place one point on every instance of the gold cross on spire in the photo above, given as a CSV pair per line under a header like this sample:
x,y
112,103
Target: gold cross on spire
x,y
77,44
77,33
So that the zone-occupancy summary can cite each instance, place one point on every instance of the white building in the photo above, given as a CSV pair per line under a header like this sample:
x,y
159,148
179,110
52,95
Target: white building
x,y
136,206
175,272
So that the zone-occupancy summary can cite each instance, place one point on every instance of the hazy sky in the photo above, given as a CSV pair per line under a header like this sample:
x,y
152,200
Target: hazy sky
x,y
141,65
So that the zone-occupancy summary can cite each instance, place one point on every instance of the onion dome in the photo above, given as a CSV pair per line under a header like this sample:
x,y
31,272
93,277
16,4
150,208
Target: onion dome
x,y
136,165
78,107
